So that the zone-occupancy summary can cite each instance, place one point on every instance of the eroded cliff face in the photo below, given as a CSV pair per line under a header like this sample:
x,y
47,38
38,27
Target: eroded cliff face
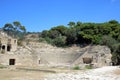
x,y
36,54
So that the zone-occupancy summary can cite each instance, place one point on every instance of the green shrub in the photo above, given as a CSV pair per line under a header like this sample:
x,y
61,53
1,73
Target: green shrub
x,y
60,41
41,39
76,68
108,41
48,40
88,67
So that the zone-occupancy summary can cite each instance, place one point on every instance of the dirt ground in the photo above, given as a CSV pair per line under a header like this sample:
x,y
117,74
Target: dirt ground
x,y
117,72
27,73
41,73
8,74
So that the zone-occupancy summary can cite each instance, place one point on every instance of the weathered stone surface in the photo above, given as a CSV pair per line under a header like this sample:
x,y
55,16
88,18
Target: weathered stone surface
x,y
7,43
47,54
35,54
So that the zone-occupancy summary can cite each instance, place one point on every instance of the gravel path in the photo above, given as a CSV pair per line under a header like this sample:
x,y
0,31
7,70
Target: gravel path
x,y
104,73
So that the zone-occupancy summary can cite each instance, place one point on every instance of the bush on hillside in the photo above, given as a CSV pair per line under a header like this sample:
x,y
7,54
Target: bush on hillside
x,y
76,68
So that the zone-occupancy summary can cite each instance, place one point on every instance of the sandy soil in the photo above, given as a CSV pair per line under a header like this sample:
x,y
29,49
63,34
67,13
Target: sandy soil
x,y
117,72
7,74
104,73
28,73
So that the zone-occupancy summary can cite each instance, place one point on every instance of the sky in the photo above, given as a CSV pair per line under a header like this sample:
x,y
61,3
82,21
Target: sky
x,y
39,15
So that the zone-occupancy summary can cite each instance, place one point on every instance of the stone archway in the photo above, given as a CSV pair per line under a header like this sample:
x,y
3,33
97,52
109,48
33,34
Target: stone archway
x,y
3,47
8,47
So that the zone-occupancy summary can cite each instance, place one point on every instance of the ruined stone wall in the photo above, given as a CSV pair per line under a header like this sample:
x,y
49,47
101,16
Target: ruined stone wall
x,y
48,54
100,55
22,57
8,44
41,53
23,60
59,58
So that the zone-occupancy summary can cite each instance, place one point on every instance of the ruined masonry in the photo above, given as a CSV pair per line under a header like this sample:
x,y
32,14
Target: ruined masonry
x,y
37,54
7,43
10,53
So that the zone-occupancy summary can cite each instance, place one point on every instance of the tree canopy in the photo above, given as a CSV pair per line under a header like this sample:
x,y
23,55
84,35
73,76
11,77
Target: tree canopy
x,y
80,33
14,29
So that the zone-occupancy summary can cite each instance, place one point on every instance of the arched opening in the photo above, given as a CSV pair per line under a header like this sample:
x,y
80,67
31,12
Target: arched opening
x,y
8,47
3,47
